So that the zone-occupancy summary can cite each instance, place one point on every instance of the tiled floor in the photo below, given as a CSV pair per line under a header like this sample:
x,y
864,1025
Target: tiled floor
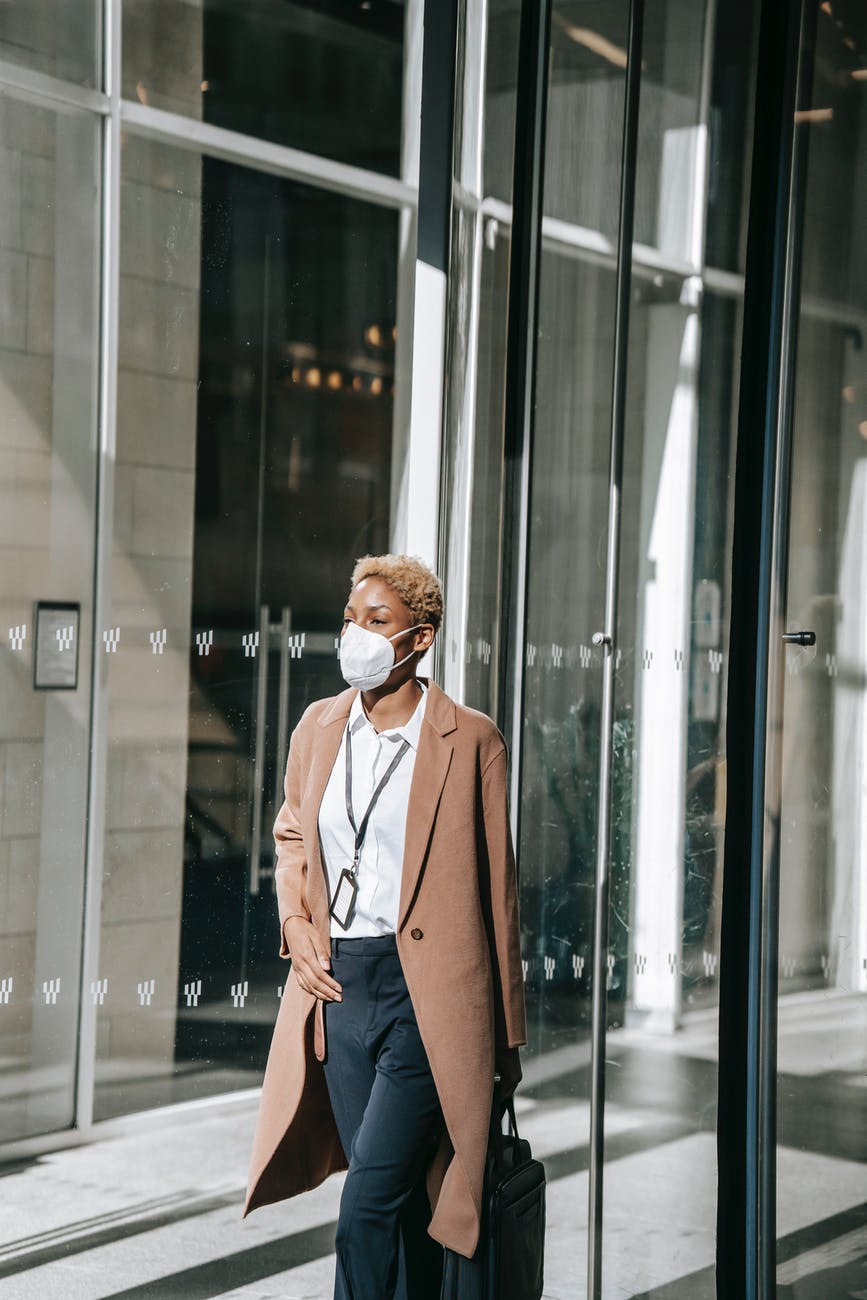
x,y
154,1213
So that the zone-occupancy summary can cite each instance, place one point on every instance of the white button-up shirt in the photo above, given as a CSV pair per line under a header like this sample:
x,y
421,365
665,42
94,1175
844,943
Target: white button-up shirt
x,y
380,865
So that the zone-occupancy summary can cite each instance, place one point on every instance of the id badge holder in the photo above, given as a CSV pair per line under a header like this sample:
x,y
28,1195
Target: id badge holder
x,y
343,904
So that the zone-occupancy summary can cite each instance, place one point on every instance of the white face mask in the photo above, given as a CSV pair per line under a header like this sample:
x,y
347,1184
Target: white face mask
x,y
367,658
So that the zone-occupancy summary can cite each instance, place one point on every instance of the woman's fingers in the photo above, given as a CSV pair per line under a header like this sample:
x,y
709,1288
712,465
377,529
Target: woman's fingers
x,y
317,981
310,960
313,979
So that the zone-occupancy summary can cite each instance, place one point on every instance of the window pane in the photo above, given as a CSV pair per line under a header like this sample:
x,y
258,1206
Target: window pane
x,y
253,467
323,78
53,36
48,342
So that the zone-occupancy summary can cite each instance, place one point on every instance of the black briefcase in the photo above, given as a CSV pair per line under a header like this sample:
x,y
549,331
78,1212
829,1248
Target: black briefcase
x,y
508,1262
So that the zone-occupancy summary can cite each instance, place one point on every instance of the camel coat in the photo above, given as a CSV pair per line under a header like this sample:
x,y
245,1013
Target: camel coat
x,y
458,940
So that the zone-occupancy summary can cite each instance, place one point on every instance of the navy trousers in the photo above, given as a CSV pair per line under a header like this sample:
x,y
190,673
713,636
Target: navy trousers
x,y
388,1117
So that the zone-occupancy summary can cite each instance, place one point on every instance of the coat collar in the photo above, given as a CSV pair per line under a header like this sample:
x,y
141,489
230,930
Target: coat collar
x,y
439,712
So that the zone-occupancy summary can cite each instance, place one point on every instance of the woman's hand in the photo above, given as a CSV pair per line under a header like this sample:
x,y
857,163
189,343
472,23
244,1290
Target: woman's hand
x,y
310,961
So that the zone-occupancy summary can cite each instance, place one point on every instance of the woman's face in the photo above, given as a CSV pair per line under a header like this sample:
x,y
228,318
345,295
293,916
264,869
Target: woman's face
x,y
376,607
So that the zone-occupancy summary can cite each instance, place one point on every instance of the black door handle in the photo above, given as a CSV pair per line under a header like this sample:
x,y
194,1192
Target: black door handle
x,y
799,638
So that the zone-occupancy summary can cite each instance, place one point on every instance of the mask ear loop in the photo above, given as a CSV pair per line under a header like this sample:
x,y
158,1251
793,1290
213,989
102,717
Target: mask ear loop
x,y
412,652
405,632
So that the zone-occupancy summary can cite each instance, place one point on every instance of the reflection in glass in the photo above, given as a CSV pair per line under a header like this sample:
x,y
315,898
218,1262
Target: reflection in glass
x,y
253,467
48,342
327,79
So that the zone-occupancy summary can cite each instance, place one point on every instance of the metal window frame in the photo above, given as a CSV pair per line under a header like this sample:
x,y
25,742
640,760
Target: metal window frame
x,y
265,156
200,137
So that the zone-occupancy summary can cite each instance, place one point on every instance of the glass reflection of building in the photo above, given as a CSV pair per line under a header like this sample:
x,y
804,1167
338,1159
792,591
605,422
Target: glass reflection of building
x,y
212,336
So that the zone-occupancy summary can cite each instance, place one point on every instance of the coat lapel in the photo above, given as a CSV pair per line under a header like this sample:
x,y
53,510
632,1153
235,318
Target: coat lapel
x,y
429,776
332,723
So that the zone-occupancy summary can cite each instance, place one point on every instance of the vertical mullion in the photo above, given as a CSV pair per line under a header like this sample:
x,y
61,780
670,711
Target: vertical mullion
x,y
413,36
745,1215
417,529
456,536
103,526
607,639
520,386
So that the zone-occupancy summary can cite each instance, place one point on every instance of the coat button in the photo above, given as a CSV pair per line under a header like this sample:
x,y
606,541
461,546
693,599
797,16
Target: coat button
x,y
417,934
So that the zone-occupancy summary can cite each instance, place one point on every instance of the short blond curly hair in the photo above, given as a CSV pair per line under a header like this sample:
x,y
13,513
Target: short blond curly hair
x,y
418,586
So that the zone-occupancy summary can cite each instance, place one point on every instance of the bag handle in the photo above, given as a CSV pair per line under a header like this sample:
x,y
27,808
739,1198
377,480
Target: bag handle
x,y
501,1107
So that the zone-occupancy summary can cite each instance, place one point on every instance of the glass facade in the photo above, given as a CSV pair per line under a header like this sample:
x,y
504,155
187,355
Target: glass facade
x,y
206,309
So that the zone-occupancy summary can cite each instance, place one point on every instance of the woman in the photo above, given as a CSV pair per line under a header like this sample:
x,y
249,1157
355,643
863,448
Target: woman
x,y
397,902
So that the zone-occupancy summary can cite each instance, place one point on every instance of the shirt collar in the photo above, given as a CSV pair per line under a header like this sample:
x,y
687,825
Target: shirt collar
x,y
410,731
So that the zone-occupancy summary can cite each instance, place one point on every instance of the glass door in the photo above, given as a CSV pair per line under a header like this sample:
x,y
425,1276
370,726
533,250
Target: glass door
x,y
819,850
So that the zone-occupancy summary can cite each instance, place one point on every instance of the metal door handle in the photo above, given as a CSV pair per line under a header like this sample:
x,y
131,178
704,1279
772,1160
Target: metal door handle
x,y
799,638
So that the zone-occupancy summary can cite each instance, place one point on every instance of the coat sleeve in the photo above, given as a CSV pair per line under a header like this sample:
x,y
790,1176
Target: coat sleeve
x,y
290,873
511,1027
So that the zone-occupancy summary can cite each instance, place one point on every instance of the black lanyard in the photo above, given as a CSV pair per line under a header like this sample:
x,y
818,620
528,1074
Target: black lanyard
x,y
361,831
